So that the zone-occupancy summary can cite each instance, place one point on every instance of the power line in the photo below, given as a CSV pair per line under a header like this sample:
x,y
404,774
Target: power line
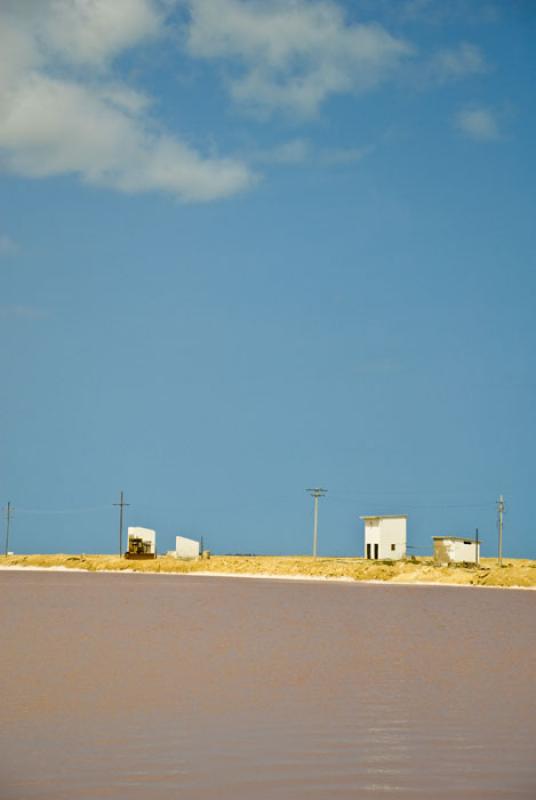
x,y
408,493
344,498
455,505
44,512
348,499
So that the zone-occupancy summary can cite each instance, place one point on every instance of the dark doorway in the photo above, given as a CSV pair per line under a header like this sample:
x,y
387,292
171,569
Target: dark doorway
x,y
376,548
368,550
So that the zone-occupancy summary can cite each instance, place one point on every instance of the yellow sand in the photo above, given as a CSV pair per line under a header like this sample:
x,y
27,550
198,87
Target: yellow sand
x,y
514,572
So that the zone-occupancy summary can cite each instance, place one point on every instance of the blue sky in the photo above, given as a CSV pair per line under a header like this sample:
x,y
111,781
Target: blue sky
x,y
247,248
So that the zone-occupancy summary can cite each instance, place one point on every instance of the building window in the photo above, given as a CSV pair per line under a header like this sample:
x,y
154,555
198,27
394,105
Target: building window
x,y
393,547
468,543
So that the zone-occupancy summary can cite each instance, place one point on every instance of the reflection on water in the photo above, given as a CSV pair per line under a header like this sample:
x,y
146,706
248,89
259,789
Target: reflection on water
x,y
131,686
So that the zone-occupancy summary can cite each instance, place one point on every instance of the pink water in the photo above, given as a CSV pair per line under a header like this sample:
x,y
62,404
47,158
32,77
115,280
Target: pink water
x,y
136,686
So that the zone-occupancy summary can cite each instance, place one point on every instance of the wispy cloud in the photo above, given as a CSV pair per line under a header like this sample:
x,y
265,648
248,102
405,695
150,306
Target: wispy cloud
x,y
292,56
303,152
457,62
379,366
445,65
434,13
7,246
57,118
22,312
479,124
295,151
334,156
286,56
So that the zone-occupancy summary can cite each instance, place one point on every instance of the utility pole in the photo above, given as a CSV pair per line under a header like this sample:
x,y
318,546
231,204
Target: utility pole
x,y
477,551
500,512
9,512
121,505
315,494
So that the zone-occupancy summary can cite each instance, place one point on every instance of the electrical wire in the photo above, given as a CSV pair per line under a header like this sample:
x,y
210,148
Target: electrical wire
x,y
62,511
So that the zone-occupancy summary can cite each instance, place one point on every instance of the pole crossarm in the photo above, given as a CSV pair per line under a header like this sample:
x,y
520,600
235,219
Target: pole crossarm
x,y
317,492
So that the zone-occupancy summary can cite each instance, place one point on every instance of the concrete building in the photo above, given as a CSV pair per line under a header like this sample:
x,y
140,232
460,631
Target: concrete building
x,y
385,537
186,548
141,543
456,550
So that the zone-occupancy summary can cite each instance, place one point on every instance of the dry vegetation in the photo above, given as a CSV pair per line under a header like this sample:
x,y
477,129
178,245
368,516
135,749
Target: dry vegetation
x,y
515,572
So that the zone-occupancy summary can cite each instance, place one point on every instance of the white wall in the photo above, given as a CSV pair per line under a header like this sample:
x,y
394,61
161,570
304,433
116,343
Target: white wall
x,y
186,548
456,551
389,533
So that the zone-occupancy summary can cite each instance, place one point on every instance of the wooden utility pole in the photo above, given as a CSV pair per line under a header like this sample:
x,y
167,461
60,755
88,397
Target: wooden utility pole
x,y
500,512
121,505
9,512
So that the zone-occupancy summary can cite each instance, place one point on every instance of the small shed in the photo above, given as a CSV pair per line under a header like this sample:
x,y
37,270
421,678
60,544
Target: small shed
x,y
186,548
385,537
141,543
456,550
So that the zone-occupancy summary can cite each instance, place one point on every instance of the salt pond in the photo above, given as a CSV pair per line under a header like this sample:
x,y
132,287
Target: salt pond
x,y
140,686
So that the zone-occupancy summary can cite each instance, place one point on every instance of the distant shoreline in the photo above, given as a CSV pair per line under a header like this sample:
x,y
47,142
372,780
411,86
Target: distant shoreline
x,y
296,576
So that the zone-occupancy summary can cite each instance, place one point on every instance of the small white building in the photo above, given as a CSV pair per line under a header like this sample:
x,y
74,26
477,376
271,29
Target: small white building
x,y
186,548
385,537
141,542
456,550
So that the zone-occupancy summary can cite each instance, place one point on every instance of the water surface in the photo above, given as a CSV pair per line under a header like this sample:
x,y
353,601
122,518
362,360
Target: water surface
x,y
151,686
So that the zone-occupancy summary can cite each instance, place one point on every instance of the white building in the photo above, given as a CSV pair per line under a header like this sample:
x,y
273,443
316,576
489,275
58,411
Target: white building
x,y
186,548
141,542
385,537
456,550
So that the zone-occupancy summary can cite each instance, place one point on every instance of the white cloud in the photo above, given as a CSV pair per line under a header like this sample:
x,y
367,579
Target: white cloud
x,y
55,127
64,109
292,55
95,31
55,122
7,246
479,124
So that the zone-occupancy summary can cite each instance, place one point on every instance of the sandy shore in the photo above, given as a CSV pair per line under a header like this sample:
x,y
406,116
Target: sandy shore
x,y
262,576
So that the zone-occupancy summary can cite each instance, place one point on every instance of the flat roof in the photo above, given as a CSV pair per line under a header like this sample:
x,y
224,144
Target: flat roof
x,y
387,516
456,539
